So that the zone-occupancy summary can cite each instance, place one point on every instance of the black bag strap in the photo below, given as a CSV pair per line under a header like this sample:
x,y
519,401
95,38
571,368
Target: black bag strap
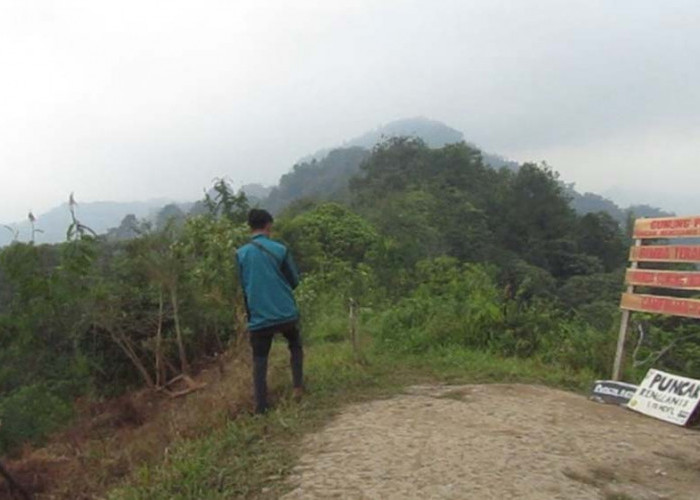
x,y
281,266
268,252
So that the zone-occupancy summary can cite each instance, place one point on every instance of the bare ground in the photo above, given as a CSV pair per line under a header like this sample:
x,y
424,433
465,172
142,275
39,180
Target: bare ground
x,y
496,442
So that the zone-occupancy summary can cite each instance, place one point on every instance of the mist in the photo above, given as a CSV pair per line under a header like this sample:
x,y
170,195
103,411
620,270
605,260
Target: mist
x,y
141,100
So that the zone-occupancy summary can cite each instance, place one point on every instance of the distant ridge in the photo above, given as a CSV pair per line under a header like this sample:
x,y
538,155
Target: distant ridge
x,y
98,215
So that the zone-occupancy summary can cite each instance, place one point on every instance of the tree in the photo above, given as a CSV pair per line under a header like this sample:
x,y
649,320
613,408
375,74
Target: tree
x,y
170,216
326,233
600,235
222,201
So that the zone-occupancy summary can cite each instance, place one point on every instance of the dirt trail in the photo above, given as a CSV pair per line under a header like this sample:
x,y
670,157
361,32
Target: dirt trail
x,y
496,442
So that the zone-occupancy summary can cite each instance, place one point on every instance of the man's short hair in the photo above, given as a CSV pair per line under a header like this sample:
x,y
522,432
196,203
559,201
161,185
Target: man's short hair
x,y
259,218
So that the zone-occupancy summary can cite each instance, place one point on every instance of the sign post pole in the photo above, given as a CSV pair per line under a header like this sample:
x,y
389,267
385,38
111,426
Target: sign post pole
x,y
620,351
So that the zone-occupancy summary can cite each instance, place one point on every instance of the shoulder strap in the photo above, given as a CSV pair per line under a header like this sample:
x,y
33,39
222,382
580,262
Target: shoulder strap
x,y
282,266
268,252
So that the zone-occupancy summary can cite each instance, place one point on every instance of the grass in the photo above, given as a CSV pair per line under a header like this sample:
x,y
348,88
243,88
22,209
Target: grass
x,y
249,457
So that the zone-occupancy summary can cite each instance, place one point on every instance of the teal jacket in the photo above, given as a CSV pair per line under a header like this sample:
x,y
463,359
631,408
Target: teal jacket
x,y
268,275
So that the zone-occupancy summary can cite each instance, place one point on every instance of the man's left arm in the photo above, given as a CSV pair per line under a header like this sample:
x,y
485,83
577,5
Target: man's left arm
x,y
242,284
290,271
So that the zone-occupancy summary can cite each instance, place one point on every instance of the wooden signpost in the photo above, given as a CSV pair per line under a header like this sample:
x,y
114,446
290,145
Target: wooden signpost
x,y
682,280
670,227
660,229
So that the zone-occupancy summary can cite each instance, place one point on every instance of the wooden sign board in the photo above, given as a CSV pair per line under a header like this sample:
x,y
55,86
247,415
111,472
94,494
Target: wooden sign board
x,y
665,253
688,308
667,397
659,228
669,227
681,280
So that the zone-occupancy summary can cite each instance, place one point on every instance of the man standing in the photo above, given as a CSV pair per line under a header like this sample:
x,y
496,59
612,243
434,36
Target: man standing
x,y
268,275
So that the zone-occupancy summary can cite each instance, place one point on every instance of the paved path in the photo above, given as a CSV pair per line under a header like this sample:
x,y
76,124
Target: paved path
x,y
496,442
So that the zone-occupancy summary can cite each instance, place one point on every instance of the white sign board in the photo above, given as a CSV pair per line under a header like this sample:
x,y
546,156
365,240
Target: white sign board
x,y
666,397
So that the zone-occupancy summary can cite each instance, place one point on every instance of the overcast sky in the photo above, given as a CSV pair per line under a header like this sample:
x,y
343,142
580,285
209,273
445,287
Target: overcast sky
x,y
129,100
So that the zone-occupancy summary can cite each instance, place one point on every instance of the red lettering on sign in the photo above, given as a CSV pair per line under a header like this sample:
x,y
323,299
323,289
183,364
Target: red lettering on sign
x,y
689,308
670,253
670,224
654,253
664,279
675,227
688,253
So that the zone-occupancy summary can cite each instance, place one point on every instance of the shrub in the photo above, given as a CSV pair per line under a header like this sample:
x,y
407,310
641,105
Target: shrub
x,y
29,414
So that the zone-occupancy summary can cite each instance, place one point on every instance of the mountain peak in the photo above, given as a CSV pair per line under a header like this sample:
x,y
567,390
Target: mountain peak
x,y
435,134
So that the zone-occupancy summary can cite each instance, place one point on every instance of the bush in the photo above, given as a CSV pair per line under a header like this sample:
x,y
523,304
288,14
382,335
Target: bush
x,y
453,305
29,414
579,346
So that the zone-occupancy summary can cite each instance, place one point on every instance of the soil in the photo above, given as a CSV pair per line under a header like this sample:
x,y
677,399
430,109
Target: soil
x,y
496,442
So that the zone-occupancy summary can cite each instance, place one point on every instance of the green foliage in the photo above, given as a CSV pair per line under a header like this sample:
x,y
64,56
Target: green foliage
x,y
601,287
323,179
452,305
600,236
223,202
170,216
99,316
214,305
326,234
668,342
459,305
29,414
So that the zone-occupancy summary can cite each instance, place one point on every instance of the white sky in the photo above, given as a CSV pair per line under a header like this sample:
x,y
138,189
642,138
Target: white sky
x,y
145,99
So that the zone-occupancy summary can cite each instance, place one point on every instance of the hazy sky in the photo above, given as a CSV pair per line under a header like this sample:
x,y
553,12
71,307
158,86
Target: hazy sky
x,y
127,100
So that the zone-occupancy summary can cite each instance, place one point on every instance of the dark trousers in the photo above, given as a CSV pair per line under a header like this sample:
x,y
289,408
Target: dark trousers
x,y
261,341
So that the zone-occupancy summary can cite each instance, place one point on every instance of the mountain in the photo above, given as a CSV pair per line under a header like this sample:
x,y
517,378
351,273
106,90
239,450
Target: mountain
x,y
256,192
99,216
434,133
325,174
319,179
591,202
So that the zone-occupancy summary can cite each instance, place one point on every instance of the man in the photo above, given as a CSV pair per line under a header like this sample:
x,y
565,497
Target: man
x,y
268,275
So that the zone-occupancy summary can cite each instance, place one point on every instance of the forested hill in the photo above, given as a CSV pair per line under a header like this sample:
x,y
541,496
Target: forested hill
x,y
325,175
591,203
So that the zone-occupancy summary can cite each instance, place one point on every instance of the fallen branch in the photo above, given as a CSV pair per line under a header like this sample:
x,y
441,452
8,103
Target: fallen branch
x,y
191,386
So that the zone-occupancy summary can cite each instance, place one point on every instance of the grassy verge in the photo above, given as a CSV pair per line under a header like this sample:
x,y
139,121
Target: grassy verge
x,y
249,457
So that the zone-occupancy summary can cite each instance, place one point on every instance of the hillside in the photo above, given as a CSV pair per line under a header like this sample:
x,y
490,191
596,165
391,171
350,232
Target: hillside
x,y
322,179
587,203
